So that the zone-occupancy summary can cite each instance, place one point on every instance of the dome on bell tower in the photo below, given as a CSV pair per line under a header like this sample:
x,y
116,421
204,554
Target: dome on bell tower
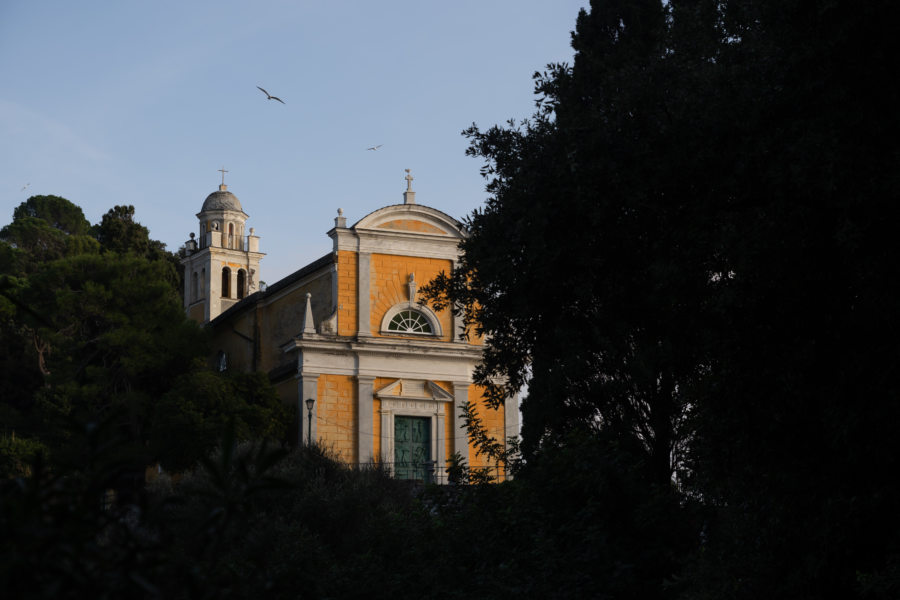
x,y
221,200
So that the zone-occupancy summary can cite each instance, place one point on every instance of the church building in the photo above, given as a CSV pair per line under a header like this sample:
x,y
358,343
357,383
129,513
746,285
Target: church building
x,y
376,374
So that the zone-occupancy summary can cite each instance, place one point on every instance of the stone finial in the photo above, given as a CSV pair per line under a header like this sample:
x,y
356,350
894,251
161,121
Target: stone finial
x,y
409,196
340,220
309,327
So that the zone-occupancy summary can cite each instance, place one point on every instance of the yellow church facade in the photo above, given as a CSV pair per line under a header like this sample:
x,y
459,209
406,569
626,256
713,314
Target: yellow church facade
x,y
377,376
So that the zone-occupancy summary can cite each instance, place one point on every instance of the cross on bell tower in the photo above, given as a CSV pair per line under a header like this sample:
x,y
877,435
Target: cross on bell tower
x,y
222,264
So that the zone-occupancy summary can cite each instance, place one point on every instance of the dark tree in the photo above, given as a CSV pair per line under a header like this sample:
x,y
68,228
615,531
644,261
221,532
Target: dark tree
x,y
94,329
58,212
581,267
118,232
689,245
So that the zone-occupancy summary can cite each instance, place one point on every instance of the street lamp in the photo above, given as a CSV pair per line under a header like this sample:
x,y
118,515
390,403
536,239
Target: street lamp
x,y
309,406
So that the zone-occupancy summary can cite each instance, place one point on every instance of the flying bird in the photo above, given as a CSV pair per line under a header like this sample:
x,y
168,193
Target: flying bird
x,y
25,186
270,96
375,147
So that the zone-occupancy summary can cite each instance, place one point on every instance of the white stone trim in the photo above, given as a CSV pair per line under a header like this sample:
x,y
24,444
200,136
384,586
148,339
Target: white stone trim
x,y
397,243
363,280
416,398
365,451
511,416
418,212
460,434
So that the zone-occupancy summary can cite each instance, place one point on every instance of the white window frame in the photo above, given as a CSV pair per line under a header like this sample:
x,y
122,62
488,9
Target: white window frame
x,y
426,312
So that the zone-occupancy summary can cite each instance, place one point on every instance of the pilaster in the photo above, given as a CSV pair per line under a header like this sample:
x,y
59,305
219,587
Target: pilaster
x,y
460,434
511,417
365,411
363,274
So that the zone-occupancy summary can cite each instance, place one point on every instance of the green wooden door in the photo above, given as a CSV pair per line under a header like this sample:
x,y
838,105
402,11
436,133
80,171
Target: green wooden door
x,y
412,448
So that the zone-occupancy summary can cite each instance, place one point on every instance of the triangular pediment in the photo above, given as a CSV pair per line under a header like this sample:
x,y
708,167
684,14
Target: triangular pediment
x,y
414,389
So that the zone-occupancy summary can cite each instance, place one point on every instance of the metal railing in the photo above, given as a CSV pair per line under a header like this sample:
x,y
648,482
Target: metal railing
x,y
429,472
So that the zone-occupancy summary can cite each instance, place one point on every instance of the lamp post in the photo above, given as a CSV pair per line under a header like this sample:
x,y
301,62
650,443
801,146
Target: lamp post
x,y
309,406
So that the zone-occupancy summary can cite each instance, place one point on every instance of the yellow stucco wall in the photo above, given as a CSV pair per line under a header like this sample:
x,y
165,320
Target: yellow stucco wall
x,y
389,285
346,290
411,225
492,419
336,409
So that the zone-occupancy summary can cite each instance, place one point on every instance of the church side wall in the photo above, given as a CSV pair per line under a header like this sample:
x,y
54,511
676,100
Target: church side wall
x,y
282,319
235,339
197,312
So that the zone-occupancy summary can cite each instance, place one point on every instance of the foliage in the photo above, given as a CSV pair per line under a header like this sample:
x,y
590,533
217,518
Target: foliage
x,y
16,453
118,232
305,525
62,541
112,333
189,419
313,526
44,228
93,327
586,520
687,248
57,212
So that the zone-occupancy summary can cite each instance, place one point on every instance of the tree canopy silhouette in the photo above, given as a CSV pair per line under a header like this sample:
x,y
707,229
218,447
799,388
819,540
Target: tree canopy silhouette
x,y
689,246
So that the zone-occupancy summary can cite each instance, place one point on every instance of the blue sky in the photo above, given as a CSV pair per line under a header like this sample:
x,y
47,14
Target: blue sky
x,y
140,103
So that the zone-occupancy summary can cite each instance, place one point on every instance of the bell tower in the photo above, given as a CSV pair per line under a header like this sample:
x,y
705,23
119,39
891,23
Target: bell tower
x,y
221,266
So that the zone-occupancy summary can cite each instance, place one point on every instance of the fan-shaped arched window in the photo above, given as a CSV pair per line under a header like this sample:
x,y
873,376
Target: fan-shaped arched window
x,y
410,321
226,282
241,283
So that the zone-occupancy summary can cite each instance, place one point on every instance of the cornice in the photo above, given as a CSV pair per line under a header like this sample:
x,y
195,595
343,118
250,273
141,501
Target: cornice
x,y
375,345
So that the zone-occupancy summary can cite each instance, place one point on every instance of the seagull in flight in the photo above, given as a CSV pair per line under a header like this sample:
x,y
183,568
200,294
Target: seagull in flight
x,y
270,96
25,186
375,147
